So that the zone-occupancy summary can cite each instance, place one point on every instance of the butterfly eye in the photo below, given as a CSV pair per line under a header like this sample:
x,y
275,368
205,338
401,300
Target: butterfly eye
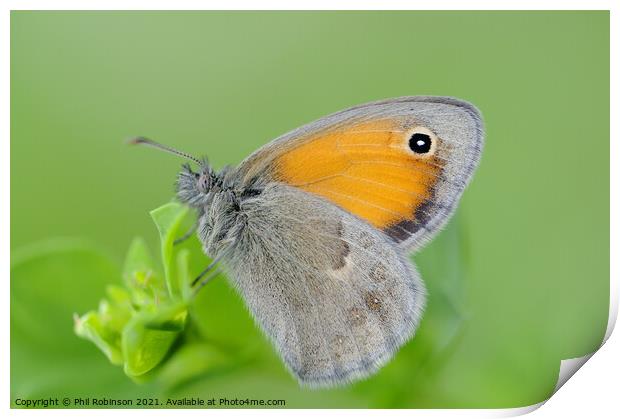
x,y
203,183
422,142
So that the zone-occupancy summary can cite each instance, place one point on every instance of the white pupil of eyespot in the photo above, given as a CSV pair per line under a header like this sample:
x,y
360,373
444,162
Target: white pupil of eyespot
x,y
420,142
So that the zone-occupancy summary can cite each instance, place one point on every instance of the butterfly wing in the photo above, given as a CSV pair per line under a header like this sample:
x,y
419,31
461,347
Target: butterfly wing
x,y
367,160
334,294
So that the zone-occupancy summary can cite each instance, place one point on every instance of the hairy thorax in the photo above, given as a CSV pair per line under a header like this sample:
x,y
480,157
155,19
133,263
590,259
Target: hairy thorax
x,y
222,222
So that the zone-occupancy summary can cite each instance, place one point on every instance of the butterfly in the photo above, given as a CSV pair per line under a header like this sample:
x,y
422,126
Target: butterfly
x,y
314,229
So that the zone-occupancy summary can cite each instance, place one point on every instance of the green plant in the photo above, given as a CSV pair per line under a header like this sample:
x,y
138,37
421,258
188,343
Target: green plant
x,y
137,324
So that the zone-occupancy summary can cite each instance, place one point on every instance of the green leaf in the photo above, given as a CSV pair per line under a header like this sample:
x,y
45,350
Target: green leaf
x,y
91,327
183,273
170,317
168,219
105,327
118,310
191,361
141,277
138,259
144,347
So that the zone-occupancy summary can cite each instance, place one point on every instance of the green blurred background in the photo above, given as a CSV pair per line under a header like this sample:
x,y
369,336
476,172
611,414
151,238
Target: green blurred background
x,y
517,281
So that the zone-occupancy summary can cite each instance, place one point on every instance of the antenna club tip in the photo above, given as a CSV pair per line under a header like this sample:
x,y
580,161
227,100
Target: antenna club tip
x,y
137,140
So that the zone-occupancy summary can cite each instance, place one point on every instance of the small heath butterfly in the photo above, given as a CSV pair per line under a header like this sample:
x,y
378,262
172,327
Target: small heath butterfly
x,y
314,228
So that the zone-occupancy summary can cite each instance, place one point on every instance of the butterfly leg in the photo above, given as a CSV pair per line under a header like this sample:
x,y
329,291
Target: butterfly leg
x,y
205,271
205,281
187,235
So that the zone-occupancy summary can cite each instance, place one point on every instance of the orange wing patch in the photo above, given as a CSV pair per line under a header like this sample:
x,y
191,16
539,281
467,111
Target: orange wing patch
x,y
367,169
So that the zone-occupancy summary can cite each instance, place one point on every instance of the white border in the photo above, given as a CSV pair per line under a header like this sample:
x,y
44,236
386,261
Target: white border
x,y
594,391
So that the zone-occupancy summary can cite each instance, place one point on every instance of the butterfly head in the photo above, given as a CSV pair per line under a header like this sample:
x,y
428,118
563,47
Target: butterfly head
x,y
195,188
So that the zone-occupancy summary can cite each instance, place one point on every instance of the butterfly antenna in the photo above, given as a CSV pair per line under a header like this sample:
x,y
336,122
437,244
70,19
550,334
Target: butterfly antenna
x,y
151,143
